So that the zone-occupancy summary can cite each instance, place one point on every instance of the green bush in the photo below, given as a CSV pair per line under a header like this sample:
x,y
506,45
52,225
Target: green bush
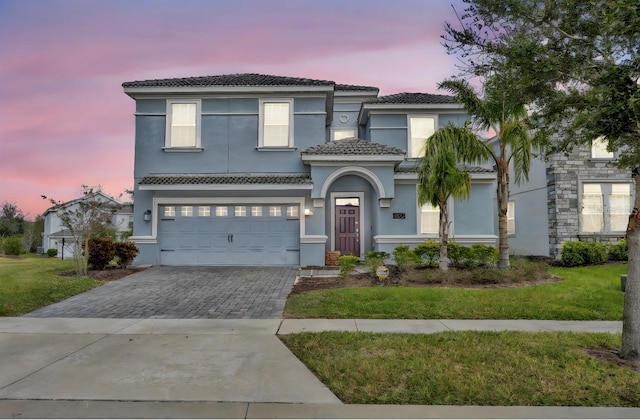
x,y
485,255
52,252
619,251
125,252
12,245
428,253
404,257
374,259
347,264
575,253
101,251
460,255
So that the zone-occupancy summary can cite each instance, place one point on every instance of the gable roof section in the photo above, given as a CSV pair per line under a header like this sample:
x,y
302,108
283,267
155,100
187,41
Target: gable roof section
x,y
77,200
413,98
239,79
352,150
226,181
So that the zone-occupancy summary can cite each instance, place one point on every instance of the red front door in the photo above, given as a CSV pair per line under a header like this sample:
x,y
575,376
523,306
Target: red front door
x,y
348,230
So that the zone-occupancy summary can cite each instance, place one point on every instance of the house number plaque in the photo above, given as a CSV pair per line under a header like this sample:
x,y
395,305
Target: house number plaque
x,y
399,215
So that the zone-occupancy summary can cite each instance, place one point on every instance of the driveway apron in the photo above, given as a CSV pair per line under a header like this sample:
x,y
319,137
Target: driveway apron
x,y
183,293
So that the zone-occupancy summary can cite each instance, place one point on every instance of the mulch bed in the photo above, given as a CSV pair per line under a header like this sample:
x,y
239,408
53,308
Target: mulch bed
x,y
108,274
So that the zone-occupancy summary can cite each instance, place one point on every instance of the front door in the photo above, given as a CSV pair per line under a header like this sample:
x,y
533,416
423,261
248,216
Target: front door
x,y
348,229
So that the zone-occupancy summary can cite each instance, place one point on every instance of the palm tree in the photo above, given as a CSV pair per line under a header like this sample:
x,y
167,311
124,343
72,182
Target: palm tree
x,y
507,116
439,176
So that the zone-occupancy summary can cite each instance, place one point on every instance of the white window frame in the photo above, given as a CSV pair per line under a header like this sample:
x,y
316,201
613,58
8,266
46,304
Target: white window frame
x,y
256,211
409,134
240,211
222,211
293,211
511,218
168,142
169,211
261,143
204,211
606,188
186,211
275,211
599,149
353,133
421,213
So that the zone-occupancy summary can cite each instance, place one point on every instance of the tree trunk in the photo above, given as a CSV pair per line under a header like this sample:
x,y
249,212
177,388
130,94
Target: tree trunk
x,y
444,236
631,311
503,205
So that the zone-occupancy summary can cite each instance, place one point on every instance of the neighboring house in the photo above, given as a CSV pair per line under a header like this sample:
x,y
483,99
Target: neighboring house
x,y
580,196
57,236
250,169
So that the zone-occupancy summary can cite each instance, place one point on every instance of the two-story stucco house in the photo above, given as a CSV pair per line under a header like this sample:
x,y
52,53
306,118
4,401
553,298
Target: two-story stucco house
x,y
250,169
57,236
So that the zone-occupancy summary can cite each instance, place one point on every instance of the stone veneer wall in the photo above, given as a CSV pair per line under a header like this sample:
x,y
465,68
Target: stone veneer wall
x,y
564,174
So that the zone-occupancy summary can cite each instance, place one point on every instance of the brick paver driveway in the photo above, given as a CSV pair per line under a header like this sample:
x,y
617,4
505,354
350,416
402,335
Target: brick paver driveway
x,y
183,292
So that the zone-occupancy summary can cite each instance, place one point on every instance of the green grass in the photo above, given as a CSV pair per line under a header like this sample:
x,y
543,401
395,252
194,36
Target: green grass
x,y
467,368
586,293
30,282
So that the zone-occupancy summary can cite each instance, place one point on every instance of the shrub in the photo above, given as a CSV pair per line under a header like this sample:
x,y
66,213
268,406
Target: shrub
x,y
485,255
125,252
101,251
374,259
347,264
576,253
460,256
52,252
428,253
619,251
12,245
404,257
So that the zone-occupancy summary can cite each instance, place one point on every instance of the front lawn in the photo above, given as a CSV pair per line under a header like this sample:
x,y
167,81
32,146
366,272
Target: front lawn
x,y
586,293
468,368
31,282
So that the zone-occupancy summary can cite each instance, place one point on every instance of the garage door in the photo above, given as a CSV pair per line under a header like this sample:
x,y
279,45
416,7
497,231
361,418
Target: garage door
x,y
247,234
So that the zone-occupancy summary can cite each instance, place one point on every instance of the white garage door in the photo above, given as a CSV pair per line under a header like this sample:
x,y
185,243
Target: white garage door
x,y
247,234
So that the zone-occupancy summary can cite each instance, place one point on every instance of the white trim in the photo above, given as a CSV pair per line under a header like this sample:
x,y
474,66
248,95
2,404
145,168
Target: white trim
x,y
167,135
159,201
477,177
348,170
417,239
314,239
337,129
226,187
261,103
332,205
450,208
143,239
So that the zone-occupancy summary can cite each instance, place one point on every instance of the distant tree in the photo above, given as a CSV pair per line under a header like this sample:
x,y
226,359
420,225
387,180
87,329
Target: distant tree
x,y
87,217
11,220
440,177
32,237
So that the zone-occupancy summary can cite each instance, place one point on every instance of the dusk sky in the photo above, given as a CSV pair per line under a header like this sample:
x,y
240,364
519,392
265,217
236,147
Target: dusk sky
x,y
65,121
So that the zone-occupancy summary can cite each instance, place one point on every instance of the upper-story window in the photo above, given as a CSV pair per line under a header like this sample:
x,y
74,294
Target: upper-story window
x,y
343,133
183,124
421,127
276,123
599,149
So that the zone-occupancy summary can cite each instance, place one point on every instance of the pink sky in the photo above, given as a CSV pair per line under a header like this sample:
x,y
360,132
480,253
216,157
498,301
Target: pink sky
x,y
65,121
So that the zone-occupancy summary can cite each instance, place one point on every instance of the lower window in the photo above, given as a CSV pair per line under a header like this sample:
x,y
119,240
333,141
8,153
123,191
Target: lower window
x,y
605,207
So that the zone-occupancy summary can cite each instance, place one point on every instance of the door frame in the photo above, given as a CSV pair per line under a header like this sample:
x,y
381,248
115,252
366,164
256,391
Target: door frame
x,y
341,194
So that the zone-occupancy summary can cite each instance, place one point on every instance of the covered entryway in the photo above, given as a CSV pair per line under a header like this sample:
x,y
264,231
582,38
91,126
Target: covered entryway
x,y
244,234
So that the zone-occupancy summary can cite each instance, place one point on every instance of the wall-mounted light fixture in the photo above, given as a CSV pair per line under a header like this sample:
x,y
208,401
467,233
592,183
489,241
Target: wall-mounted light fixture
x,y
308,212
147,215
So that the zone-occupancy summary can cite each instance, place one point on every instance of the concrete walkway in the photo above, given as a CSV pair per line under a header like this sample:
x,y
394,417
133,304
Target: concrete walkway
x,y
126,368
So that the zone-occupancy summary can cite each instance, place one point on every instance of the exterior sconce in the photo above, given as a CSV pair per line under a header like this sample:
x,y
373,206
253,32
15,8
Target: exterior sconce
x,y
147,216
308,212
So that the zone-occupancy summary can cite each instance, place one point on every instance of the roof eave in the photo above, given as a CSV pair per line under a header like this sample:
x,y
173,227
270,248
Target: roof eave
x,y
134,92
367,108
352,158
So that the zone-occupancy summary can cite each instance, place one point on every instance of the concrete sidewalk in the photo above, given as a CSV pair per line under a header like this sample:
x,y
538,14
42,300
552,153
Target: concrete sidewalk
x,y
178,368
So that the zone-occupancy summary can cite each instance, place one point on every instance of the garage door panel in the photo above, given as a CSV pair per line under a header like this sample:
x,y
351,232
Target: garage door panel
x,y
253,238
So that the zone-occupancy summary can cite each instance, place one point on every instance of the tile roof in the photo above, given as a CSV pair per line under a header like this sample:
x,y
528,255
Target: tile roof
x,y
243,79
355,87
352,147
470,169
230,179
412,98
